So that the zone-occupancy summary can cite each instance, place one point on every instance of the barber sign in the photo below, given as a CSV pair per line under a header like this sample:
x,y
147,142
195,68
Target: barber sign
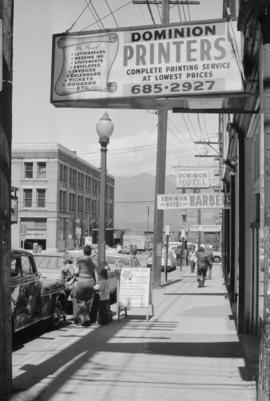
x,y
201,200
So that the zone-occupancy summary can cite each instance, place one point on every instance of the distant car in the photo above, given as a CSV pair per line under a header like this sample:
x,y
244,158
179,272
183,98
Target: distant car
x,y
33,297
114,261
216,256
171,262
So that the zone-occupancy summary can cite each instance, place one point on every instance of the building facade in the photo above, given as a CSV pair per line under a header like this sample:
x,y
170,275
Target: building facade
x,y
58,198
246,180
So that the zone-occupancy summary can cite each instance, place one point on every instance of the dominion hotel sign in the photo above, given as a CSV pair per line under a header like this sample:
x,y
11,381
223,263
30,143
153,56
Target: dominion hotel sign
x,y
142,66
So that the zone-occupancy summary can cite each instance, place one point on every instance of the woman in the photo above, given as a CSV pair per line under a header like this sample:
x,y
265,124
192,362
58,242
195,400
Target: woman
x,y
192,258
82,294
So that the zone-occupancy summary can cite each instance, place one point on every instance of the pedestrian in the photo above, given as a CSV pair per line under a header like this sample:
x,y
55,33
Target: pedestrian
x,y
210,260
133,249
178,254
104,314
118,248
192,258
184,252
82,294
202,265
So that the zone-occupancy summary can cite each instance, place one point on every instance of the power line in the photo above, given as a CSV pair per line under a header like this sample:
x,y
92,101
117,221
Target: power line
x,y
186,143
184,13
108,15
179,13
77,19
189,12
112,14
150,12
94,12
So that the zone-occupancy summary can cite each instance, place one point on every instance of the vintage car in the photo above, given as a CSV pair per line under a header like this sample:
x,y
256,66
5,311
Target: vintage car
x,y
217,256
33,297
114,261
171,261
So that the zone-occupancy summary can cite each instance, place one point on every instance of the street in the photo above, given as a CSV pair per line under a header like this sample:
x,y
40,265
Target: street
x,y
189,350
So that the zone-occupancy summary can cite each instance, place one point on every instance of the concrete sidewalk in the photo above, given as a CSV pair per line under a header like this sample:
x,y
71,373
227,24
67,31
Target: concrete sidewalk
x,y
188,351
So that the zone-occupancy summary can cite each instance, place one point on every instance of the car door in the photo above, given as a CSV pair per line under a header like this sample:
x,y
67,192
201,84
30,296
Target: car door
x,y
31,288
18,300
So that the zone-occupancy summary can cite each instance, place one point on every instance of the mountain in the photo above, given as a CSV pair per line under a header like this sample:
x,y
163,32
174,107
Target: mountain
x,y
134,203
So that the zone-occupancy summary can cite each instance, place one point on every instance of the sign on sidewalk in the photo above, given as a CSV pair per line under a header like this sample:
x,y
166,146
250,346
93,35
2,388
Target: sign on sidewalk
x,y
201,200
134,289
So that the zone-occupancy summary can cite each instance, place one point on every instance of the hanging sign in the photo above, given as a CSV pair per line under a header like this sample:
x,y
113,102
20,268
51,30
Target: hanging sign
x,y
192,179
139,66
1,62
201,200
205,228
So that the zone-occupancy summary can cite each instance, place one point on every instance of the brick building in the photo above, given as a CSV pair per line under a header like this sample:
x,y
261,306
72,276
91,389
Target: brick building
x,y
58,198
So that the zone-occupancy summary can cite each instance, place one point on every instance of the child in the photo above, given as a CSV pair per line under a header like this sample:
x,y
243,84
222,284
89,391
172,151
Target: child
x,y
105,314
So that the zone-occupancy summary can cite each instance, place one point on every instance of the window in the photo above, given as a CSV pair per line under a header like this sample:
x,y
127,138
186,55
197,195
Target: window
x,y
88,183
63,201
73,178
28,170
63,173
72,201
80,181
80,203
95,187
94,208
41,170
27,267
15,267
27,198
41,194
87,205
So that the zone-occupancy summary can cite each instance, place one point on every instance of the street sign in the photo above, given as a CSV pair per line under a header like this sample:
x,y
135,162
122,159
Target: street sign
x,y
205,228
167,230
201,200
192,179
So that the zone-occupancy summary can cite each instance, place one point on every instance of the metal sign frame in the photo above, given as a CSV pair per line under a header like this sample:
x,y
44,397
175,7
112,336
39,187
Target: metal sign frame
x,y
148,67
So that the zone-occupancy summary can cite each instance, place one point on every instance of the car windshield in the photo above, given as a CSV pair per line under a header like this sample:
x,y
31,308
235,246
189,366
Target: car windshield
x,y
54,262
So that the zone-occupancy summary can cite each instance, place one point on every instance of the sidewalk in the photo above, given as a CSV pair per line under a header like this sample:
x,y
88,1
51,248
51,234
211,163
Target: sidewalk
x,y
189,351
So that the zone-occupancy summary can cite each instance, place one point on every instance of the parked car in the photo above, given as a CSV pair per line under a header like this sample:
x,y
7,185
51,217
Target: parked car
x,y
216,256
114,262
33,297
171,261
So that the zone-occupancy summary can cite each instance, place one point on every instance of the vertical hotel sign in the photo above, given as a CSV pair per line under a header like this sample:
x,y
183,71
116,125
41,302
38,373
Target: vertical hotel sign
x,y
1,58
145,62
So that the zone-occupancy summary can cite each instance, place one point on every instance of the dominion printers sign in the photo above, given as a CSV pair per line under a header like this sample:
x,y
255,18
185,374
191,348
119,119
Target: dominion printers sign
x,y
139,66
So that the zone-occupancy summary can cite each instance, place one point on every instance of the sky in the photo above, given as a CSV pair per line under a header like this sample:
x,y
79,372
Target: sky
x,y
132,148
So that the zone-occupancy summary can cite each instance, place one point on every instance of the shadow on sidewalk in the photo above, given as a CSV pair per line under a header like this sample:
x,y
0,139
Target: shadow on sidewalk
x,y
170,282
71,359
195,293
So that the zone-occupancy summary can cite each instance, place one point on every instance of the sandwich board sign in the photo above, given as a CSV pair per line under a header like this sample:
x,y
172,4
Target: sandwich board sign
x,y
134,289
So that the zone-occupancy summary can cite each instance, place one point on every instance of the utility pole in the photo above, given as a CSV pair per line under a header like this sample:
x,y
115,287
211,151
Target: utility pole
x,y
160,176
161,153
6,15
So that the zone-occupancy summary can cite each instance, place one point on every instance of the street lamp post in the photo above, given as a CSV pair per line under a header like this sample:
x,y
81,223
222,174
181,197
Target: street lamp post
x,y
77,232
104,129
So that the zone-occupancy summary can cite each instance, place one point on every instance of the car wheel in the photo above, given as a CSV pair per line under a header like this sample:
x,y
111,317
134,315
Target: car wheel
x,y
58,315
